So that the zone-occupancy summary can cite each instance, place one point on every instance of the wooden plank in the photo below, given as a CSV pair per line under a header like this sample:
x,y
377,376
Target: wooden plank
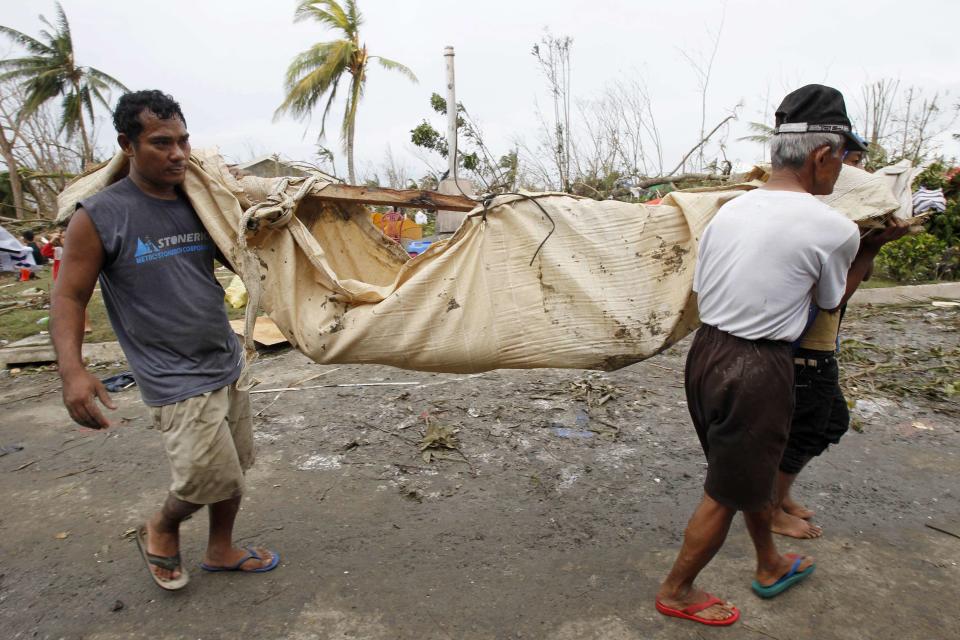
x,y
395,197
39,349
265,332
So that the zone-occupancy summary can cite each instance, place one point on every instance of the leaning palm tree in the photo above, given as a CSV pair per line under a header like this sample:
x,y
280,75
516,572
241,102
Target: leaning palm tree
x,y
50,70
317,72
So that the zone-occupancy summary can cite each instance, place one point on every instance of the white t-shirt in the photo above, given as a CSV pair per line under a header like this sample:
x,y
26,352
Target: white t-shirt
x,y
764,255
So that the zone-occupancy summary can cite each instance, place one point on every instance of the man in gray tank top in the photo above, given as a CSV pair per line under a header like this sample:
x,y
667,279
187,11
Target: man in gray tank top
x,y
143,240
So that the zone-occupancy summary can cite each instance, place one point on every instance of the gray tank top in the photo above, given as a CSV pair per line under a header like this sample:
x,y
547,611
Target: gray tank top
x,y
162,298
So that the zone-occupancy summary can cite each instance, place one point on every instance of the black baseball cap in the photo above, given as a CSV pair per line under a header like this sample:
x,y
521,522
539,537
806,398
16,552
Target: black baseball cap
x,y
816,108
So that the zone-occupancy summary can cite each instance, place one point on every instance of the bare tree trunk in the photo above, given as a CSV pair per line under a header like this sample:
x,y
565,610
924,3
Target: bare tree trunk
x,y
906,123
87,151
351,175
16,184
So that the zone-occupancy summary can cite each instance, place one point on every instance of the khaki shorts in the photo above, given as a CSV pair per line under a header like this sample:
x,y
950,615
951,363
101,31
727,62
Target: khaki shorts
x,y
209,442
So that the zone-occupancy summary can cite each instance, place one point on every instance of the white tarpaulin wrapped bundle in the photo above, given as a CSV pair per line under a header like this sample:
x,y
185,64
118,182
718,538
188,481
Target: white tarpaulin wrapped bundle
x,y
546,280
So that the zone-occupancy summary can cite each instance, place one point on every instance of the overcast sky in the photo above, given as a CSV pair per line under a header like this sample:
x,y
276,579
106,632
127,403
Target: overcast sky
x,y
224,61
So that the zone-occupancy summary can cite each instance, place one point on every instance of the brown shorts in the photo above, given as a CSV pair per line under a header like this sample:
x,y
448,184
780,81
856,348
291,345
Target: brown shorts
x,y
209,442
740,397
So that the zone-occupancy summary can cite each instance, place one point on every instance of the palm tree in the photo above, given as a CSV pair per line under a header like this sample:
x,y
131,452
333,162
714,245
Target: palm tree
x,y
762,133
318,70
50,70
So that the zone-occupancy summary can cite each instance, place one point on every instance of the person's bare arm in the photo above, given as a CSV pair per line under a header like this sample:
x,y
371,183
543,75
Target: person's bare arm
x,y
83,258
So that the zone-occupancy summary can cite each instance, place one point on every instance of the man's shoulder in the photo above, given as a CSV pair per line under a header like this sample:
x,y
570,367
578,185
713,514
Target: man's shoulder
x,y
109,196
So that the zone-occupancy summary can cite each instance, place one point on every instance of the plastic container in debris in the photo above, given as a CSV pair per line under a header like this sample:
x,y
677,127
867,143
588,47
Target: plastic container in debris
x,y
417,247
235,293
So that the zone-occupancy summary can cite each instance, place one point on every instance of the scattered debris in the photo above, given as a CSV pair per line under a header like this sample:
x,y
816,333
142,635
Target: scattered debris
x,y
76,473
593,391
330,386
315,376
437,438
564,432
119,382
63,535
949,528
903,371
413,494
408,422
319,462
117,605
10,448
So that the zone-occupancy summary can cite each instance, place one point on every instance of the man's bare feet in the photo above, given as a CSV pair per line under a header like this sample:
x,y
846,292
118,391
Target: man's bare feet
x,y
162,544
768,576
794,527
230,557
794,508
720,611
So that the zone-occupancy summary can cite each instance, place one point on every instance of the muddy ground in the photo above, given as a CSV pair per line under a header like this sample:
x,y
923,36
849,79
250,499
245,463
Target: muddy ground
x,y
557,521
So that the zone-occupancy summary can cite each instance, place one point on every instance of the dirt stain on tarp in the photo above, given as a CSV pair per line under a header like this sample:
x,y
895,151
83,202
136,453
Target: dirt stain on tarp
x,y
612,363
337,325
453,304
671,258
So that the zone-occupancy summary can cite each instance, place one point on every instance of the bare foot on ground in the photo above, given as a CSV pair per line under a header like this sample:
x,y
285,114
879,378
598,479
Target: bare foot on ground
x,y
767,578
794,527
794,508
162,544
235,554
719,611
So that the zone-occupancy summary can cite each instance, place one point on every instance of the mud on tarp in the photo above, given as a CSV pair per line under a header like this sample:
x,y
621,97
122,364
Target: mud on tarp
x,y
610,286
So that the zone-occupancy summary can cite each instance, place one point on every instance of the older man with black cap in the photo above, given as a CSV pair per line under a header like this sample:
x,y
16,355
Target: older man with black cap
x,y
762,260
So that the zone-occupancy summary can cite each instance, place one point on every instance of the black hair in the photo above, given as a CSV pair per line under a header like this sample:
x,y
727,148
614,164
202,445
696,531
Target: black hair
x,y
126,116
28,235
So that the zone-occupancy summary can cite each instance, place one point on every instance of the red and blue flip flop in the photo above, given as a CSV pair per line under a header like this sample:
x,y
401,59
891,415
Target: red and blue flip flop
x,y
689,613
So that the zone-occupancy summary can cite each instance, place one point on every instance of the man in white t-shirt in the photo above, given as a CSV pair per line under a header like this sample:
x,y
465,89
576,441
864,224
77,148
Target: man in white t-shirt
x,y
762,260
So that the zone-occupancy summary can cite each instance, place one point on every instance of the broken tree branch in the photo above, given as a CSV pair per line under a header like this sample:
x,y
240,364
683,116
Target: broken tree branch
x,y
649,182
732,116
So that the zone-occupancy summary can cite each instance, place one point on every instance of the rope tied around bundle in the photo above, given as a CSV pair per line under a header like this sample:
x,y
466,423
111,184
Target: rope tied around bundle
x,y
275,211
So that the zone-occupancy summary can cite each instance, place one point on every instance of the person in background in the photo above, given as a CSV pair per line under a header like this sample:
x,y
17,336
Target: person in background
x,y
393,224
29,239
53,251
856,156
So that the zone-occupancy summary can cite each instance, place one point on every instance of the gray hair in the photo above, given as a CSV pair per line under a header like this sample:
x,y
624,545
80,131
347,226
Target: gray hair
x,y
790,150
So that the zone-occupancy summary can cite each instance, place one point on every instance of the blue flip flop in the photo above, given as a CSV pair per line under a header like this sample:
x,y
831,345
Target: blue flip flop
x,y
786,581
250,555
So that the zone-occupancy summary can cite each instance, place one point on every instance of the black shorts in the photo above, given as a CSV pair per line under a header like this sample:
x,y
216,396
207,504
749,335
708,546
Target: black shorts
x,y
820,417
740,397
